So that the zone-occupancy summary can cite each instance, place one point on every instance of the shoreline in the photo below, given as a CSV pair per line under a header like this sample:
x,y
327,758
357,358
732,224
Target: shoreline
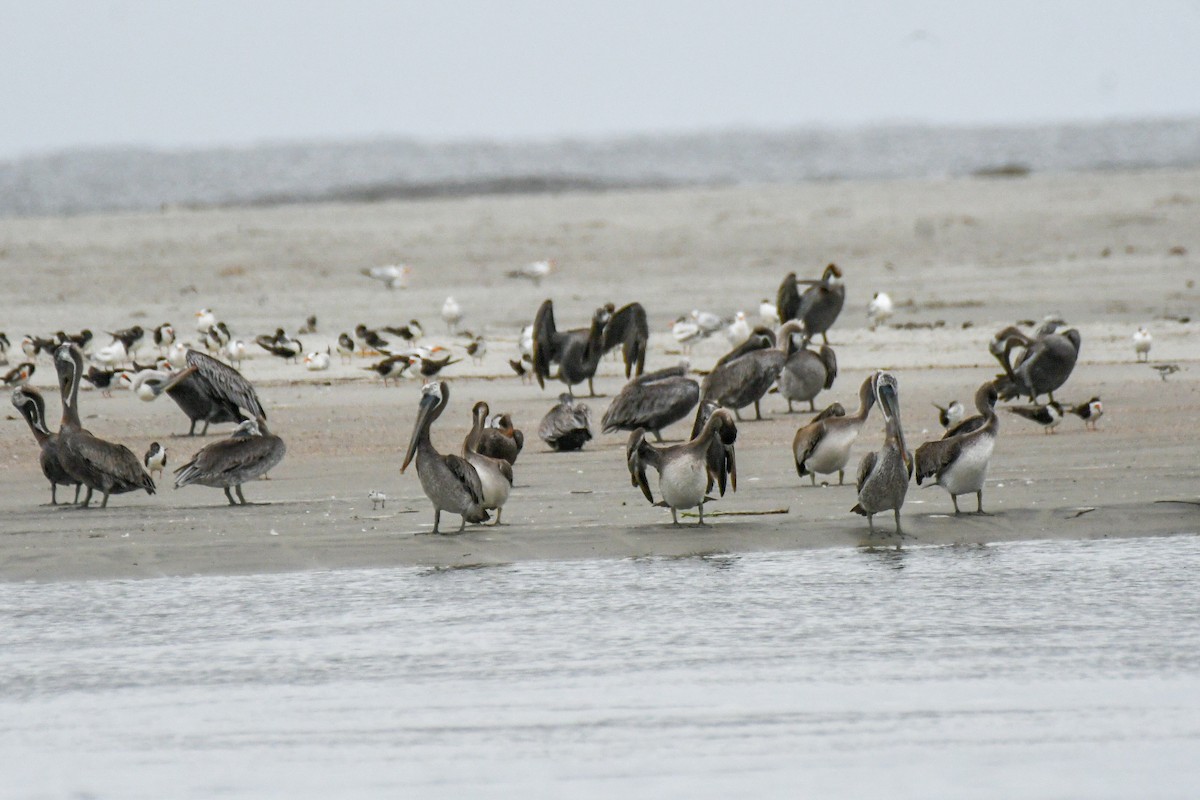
x,y
1108,251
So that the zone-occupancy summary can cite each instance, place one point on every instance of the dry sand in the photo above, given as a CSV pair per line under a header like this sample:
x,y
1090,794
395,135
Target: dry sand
x,y
1107,251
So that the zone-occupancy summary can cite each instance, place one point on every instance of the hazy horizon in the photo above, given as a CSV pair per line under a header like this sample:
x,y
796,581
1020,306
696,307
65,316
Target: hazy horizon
x,y
222,74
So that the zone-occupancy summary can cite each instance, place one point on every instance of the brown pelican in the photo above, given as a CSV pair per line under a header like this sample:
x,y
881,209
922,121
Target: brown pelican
x,y
577,352
823,445
495,474
739,380
1090,412
207,391
653,401
566,426
155,459
499,439
449,481
32,406
686,472
960,462
805,373
818,307
1048,416
96,463
1045,364
628,328
250,452
883,477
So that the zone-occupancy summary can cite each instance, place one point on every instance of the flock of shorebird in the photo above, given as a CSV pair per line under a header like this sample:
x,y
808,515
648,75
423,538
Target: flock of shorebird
x,y
779,354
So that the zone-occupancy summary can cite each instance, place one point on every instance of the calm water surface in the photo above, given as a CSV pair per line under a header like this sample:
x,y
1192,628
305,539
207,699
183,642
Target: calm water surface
x,y
1055,669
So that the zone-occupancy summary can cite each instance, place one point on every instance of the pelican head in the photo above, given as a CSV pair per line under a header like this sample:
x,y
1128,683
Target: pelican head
x,y
887,393
434,397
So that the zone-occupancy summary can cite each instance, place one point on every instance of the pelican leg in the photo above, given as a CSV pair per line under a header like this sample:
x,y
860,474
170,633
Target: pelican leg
x,y
737,414
674,518
77,487
954,498
104,502
870,524
841,477
824,337
701,522
437,518
498,512
899,531
757,411
979,500
87,498
463,525
591,388
812,404
229,497
241,496
53,493
657,436
205,431
813,475
790,410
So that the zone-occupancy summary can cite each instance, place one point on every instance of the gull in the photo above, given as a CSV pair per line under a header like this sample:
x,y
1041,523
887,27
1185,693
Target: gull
x,y
739,330
452,313
880,309
768,313
534,271
393,276
1141,343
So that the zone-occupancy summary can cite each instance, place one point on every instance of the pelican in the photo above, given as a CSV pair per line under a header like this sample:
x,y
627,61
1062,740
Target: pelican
x,y
880,309
1090,412
1048,416
959,463
250,452
32,406
577,352
495,474
207,391
818,307
1045,365
653,401
96,463
452,314
566,426
1141,343
393,276
739,380
497,439
686,472
449,481
628,328
823,445
155,459
950,415
883,477
805,373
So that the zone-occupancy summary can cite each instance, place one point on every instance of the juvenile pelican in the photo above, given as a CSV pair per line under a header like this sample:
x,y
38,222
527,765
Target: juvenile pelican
x,y
653,401
823,445
818,308
250,452
686,472
500,439
805,373
495,474
1141,343
206,391
566,426
97,464
883,477
32,406
1045,365
739,380
960,462
577,352
449,481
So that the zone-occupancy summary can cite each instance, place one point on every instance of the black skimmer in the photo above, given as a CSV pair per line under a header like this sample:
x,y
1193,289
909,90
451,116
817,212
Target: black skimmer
x,y
391,367
155,459
20,374
1048,416
1090,412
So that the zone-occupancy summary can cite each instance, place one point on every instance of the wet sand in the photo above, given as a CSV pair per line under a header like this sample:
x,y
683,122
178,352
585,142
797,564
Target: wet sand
x,y
1107,251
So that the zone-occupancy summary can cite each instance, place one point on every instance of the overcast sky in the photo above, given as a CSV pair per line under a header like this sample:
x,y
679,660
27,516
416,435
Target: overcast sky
x,y
169,74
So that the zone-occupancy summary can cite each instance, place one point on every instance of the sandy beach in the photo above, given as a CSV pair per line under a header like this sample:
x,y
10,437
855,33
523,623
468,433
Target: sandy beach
x,y
1108,251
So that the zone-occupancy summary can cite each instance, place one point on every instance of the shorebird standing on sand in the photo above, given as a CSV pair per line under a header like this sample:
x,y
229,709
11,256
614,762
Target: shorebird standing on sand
x,y
155,459
393,276
452,314
1141,343
880,309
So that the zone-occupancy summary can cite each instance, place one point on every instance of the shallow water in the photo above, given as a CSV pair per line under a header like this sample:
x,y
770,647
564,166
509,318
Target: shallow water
x,y
1051,669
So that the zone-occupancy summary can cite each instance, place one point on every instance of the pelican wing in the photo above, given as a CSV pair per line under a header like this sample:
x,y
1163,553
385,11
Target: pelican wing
x,y
743,377
965,426
721,461
806,441
829,359
787,299
228,456
865,468
933,457
227,383
545,342
643,400
466,475
628,327
114,460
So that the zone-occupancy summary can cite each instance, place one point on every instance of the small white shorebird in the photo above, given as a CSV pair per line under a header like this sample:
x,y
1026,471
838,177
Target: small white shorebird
x,y
177,354
235,351
393,276
768,313
377,499
452,313
205,319
317,361
534,271
880,309
739,330
686,332
1141,343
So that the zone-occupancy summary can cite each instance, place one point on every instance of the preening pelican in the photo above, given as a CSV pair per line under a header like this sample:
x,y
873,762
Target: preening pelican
x,y
686,472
